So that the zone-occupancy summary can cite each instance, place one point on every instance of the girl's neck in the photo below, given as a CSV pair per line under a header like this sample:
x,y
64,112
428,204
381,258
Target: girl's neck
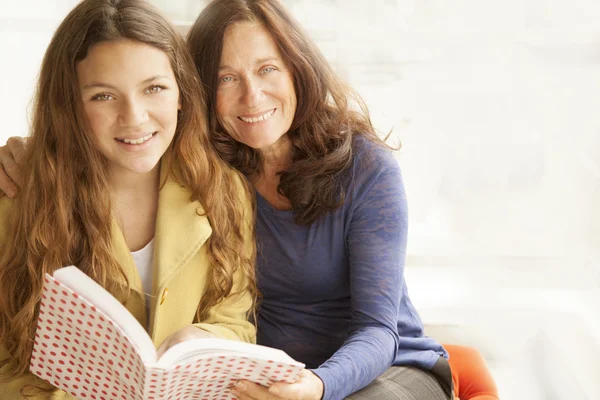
x,y
136,204
127,184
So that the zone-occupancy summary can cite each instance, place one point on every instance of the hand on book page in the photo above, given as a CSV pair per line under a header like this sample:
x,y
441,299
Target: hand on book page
x,y
90,346
186,333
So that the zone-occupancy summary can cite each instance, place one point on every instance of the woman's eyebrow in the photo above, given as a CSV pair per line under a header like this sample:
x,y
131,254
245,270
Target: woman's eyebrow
x,y
259,61
265,60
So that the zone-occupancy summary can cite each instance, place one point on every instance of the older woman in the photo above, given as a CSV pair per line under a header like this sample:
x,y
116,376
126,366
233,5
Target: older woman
x,y
332,215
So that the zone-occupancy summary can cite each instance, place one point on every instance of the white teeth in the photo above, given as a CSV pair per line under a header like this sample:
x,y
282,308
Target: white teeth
x,y
263,117
137,141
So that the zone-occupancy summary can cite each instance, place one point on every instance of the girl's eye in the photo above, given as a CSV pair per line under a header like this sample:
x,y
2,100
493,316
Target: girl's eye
x,y
226,79
103,97
154,89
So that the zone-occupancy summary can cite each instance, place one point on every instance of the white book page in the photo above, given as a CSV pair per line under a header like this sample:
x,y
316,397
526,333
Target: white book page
x,y
195,348
76,280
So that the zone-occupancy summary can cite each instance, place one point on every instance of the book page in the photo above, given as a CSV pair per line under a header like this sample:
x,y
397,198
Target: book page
x,y
80,350
76,280
211,367
194,348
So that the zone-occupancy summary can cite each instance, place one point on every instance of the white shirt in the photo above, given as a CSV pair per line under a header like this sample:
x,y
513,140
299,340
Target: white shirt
x,y
143,262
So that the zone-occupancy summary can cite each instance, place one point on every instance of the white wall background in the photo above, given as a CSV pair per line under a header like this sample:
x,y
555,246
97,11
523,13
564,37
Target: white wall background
x,y
496,104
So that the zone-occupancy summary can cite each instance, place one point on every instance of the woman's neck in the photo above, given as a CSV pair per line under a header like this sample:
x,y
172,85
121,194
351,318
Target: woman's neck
x,y
275,158
136,204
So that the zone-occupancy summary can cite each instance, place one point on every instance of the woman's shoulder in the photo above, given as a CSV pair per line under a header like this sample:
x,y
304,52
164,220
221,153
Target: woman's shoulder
x,y
376,178
372,156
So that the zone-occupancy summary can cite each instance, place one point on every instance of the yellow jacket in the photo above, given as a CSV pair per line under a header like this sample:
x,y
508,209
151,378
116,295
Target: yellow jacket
x,y
180,279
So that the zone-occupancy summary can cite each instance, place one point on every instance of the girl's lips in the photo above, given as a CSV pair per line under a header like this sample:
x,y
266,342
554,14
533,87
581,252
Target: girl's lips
x,y
137,146
136,141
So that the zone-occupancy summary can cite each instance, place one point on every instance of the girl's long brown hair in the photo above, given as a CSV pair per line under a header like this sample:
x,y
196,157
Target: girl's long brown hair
x,y
329,114
63,215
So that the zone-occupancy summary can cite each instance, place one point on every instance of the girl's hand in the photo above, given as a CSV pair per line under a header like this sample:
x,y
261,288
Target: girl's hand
x,y
187,333
308,386
11,157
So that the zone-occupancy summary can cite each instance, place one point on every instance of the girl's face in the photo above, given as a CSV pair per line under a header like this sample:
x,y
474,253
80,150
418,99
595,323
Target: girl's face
x,y
130,100
256,99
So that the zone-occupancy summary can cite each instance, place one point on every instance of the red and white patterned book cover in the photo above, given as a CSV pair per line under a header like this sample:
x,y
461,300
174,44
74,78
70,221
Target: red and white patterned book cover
x,y
81,349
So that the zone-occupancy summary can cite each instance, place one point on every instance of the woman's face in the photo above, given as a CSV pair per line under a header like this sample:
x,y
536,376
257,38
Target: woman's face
x,y
130,100
256,99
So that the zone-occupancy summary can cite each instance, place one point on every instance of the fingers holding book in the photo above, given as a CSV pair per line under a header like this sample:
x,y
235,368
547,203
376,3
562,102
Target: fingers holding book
x,y
308,386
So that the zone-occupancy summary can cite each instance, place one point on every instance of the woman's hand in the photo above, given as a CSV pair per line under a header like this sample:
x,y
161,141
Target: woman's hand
x,y
308,387
11,157
187,333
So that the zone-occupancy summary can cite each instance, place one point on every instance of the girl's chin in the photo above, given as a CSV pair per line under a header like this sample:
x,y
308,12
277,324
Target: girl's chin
x,y
137,168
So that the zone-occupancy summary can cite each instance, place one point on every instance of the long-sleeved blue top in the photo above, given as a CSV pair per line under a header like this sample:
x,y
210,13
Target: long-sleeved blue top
x,y
334,295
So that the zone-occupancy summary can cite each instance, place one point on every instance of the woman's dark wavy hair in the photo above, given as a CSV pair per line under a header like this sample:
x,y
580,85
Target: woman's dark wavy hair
x,y
325,123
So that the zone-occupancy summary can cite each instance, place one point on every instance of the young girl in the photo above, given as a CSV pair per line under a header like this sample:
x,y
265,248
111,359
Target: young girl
x,y
120,180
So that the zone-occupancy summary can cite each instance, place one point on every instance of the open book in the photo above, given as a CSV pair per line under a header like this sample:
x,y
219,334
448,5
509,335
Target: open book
x,y
89,345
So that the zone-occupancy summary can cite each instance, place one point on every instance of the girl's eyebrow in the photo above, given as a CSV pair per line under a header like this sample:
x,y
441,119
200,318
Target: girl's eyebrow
x,y
109,86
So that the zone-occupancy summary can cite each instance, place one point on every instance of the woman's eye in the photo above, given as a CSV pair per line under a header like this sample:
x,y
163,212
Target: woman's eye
x,y
268,69
103,97
154,89
226,79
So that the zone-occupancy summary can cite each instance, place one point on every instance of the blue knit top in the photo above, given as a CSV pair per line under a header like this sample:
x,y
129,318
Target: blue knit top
x,y
334,295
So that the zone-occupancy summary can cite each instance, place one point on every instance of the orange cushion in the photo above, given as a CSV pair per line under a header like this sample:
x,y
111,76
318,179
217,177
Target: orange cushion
x,y
471,376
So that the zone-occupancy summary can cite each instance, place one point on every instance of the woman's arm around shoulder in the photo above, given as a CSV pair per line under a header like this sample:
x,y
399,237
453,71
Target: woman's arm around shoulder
x,y
11,157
